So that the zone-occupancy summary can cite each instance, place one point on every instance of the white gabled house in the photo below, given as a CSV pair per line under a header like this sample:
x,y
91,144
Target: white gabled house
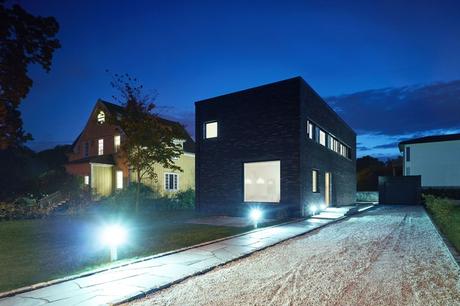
x,y
435,158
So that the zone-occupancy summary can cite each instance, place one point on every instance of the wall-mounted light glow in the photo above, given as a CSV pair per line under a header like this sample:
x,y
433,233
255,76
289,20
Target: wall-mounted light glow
x,y
313,209
255,214
322,206
113,236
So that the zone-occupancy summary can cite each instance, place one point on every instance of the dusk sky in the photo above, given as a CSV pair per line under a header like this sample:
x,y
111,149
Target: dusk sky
x,y
389,69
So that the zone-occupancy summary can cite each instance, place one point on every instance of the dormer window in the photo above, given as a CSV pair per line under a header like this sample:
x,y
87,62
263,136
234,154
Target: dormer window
x,y
101,117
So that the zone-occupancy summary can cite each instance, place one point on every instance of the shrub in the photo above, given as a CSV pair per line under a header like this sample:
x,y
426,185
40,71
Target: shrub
x,y
446,214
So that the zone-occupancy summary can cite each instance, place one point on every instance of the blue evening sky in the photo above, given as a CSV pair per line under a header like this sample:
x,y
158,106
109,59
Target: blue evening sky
x,y
191,50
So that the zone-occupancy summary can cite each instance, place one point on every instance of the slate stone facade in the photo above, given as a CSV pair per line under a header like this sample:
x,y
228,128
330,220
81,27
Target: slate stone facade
x,y
269,123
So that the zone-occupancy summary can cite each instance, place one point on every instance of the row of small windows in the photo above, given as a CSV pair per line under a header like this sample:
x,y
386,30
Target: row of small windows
x,y
171,181
100,146
315,133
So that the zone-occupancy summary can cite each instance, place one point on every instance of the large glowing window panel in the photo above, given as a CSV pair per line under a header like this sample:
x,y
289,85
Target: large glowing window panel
x,y
262,181
210,130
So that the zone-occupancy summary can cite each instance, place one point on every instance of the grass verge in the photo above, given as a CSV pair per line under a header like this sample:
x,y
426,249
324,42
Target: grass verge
x,y
33,251
446,214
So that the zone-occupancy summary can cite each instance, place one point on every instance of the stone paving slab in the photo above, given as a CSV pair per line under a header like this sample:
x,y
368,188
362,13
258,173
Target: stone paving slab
x,y
142,277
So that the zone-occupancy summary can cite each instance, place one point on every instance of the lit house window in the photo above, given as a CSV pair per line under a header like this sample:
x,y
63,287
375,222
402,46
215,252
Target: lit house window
x,y
117,142
310,130
322,137
86,179
119,182
100,147
314,181
262,181
210,129
101,117
171,182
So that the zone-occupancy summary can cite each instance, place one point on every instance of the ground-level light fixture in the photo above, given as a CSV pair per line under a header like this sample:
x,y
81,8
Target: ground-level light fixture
x,y
113,236
313,209
255,214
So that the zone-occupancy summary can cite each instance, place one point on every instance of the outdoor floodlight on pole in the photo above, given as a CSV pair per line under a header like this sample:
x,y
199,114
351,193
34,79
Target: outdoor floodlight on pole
x,y
113,236
255,214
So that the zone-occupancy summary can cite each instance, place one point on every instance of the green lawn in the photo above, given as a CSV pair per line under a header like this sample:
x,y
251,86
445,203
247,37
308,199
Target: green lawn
x,y
446,214
33,251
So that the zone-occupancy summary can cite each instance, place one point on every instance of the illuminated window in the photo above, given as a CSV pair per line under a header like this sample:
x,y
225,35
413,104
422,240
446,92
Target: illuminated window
x,y
210,130
117,142
310,130
86,179
330,142
322,137
262,182
101,117
119,179
100,147
171,182
314,181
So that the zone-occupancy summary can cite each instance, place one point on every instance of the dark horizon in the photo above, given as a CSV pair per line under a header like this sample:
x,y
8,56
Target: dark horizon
x,y
362,58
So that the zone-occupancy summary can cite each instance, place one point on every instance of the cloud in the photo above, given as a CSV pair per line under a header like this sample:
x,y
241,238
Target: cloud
x,y
403,110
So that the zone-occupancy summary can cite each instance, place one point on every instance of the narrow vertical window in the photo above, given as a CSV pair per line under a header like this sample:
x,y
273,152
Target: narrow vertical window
x,y
117,142
310,130
317,134
210,130
86,179
86,149
322,137
314,181
407,154
100,147
119,179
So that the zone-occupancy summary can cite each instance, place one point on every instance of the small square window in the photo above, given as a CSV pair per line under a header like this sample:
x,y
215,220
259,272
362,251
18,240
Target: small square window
x,y
210,130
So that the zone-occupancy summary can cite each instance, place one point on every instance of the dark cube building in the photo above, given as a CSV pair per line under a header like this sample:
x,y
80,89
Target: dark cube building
x,y
278,146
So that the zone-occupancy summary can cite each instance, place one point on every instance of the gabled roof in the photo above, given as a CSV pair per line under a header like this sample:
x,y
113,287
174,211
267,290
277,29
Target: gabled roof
x,y
189,144
427,139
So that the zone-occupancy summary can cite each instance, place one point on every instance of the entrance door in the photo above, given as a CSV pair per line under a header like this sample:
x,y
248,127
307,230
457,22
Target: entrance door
x,y
101,180
328,188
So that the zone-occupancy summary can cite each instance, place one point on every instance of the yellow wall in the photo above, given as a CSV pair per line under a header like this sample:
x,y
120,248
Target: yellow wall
x,y
186,178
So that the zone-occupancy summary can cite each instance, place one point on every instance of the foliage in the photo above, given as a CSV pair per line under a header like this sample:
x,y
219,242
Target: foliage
x,y
367,196
446,214
149,140
24,39
23,172
149,200
369,168
451,193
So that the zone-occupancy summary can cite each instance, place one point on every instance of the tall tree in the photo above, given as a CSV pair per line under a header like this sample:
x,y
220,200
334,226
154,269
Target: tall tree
x,y
149,139
24,39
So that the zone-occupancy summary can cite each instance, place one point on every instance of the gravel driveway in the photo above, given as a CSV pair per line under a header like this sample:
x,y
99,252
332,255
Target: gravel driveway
x,y
389,256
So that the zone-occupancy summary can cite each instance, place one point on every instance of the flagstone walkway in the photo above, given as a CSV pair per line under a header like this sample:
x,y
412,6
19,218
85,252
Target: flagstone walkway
x,y
141,277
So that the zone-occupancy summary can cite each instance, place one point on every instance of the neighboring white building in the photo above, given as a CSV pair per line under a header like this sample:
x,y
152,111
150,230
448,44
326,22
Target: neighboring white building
x,y
435,158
